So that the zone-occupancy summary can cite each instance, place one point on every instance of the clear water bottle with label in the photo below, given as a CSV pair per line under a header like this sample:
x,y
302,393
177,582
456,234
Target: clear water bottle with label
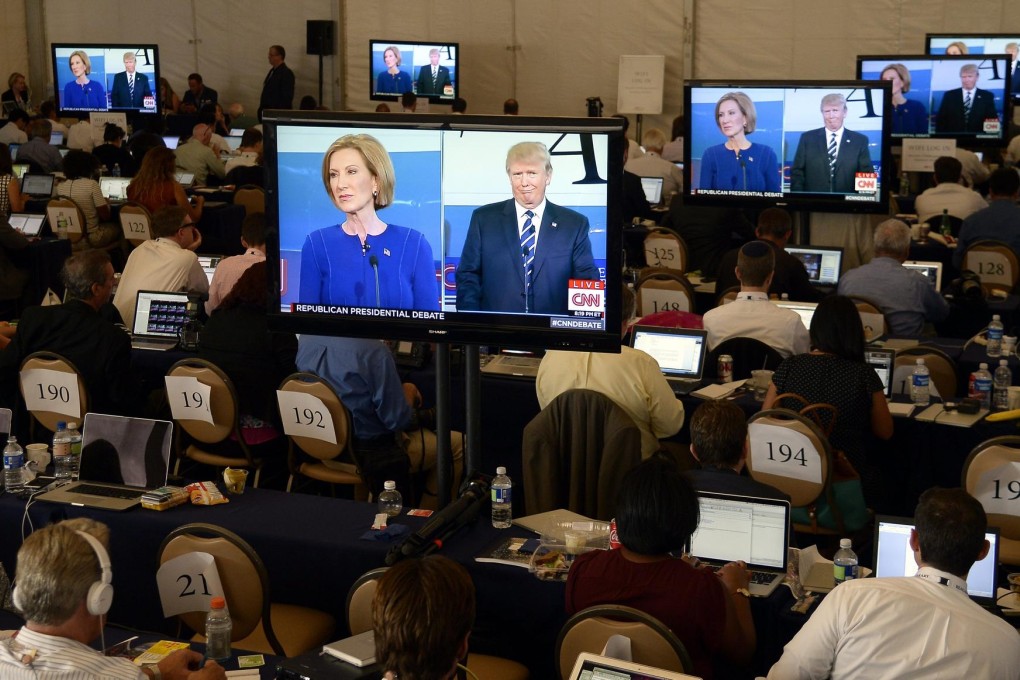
x,y
61,452
983,385
61,227
1001,381
502,508
116,169
919,391
844,562
994,336
14,466
218,630
390,500
74,435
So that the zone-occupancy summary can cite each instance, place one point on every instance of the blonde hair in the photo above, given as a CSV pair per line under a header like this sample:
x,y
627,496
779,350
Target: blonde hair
x,y
523,152
903,72
84,59
746,107
377,161
396,53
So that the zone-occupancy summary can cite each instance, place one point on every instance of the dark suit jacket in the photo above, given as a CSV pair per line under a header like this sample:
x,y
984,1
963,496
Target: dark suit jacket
x,y
722,480
120,94
490,276
100,350
206,96
790,276
425,80
810,170
278,89
950,116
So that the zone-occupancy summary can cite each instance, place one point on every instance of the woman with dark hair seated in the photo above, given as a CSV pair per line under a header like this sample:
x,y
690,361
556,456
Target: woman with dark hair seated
x,y
656,514
81,169
835,372
238,340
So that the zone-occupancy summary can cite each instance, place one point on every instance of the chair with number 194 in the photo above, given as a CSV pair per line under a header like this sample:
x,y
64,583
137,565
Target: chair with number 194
x,y
991,474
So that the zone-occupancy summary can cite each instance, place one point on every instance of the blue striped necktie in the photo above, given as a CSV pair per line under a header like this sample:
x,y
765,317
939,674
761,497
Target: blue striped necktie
x,y
832,153
528,247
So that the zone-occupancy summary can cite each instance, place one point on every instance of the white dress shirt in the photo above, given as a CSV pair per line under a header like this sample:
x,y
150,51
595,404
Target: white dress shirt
x,y
60,658
752,315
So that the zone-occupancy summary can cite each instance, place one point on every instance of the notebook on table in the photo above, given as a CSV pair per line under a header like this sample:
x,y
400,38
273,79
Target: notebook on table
x,y
652,187
931,270
159,317
37,186
121,459
114,189
823,264
28,224
755,530
680,353
595,667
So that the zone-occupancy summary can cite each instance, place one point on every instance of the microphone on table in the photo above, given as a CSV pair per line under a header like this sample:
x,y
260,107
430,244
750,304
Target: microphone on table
x,y
374,261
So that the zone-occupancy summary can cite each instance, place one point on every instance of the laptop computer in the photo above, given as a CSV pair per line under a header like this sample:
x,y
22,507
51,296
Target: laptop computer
x,y
185,179
931,270
171,141
755,530
652,187
208,264
805,310
114,189
233,142
680,353
823,264
596,667
159,316
121,459
20,169
514,365
893,557
57,138
14,151
884,362
28,224
37,186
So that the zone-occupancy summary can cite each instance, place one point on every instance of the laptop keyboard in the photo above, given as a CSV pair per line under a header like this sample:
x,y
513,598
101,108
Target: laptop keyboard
x,y
109,492
761,578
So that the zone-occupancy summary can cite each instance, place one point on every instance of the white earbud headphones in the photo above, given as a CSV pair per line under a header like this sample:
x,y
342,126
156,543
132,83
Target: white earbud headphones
x,y
100,595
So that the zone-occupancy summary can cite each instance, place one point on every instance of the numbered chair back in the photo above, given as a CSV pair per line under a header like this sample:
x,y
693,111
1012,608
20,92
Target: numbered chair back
x,y
53,390
664,249
991,474
204,404
66,210
663,290
259,625
789,452
995,262
872,318
651,642
318,424
253,199
136,222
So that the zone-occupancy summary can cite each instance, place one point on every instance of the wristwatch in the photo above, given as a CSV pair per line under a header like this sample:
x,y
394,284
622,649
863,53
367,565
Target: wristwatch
x,y
739,591
154,669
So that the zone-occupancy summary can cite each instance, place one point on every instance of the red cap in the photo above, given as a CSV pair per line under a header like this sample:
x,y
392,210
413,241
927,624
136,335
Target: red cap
x,y
217,603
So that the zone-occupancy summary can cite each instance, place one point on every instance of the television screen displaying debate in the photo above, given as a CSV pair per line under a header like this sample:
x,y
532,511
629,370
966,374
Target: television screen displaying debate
x,y
106,77
758,143
965,97
451,254
427,69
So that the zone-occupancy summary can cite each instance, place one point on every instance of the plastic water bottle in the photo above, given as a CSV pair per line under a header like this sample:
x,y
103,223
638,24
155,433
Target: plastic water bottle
x,y
14,466
1001,381
74,435
844,562
61,452
502,496
945,227
919,392
994,336
62,228
116,169
390,500
983,386
218,629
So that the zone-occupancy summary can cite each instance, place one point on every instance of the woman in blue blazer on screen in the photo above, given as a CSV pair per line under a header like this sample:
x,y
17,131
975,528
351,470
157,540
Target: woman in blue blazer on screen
x,y
82,93
392,80
738,164
909,116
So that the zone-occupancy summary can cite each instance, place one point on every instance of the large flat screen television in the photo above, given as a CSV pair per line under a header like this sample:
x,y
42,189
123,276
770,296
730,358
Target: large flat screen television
x,y
758,143
454,259
105,77
429,69
969,43
935,92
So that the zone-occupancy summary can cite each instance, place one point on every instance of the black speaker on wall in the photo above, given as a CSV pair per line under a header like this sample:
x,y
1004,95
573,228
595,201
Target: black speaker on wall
x,y
320,38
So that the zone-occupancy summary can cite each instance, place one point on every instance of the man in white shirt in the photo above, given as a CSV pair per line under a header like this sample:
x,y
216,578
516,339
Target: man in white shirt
x,y
167,263
16,129
64,589
651,164
752,315
922,626
949,193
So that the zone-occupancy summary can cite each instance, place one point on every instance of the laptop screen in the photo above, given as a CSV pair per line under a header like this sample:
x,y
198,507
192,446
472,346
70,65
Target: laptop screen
x,y
755,530
595,667
806,310
823,264
37,185
208,264
20,169
171,141
160,314
132,451
680,352
114,188
931,270
883,361
653,189
233,142
893,556
29,225
185,178
57,138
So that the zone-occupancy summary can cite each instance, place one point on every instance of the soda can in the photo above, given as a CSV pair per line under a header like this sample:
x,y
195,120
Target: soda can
x,y
725,372
614,540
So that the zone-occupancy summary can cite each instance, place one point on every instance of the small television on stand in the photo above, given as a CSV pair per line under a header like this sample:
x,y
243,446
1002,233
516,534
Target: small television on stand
x,y
428,69
120,77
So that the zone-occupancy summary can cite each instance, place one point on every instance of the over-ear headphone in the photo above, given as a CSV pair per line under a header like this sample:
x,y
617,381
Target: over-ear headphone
x,y
100,595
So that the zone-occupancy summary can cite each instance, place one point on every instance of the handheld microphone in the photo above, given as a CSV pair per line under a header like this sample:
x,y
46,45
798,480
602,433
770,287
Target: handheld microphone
x,y
374,261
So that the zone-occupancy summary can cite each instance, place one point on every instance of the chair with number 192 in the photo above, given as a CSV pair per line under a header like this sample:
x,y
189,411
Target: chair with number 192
x,y
991,474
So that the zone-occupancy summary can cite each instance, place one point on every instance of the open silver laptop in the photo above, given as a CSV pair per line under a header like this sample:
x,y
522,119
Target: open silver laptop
x,y
755,530
121,459
652,187
931,270
209,264
680,353
515,365
805,310
114,189
28,224
159,316
823,264
595,667
37,186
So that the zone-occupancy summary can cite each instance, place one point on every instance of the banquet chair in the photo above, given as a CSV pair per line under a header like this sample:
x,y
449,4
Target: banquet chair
x,y
659,289
995,262
252,197
665,249
219,443
935,224
260,625
53,362
136,222
359,620
872,318
318,450
652,643
66,209
727,296
989,475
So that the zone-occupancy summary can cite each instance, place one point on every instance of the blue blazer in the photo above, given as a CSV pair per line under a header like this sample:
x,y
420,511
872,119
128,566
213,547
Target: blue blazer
x,y
490,276
120,94
810,169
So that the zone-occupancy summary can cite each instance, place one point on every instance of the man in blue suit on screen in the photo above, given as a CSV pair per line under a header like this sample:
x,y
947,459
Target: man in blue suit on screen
x,y
130,88
520,254
829,158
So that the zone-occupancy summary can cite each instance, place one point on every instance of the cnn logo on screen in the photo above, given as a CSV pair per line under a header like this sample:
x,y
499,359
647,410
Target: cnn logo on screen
x,y
586,296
